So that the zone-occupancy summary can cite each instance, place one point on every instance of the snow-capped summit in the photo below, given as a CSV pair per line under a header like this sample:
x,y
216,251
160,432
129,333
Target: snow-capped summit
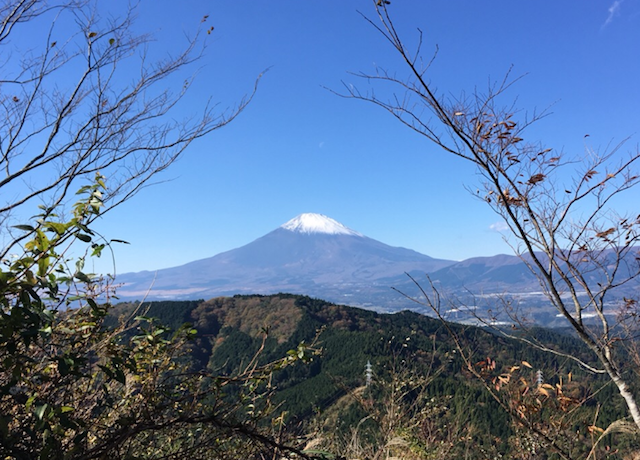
x,y
311,254
317,223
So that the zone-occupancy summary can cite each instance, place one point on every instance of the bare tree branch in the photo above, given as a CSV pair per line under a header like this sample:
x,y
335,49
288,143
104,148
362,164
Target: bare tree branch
x,y
56,132
568,234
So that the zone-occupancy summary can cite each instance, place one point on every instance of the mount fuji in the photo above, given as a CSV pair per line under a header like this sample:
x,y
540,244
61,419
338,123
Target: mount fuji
x,y
317,256
311,254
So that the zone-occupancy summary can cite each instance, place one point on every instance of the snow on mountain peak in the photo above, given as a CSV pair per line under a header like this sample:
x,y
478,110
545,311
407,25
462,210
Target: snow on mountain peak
x,y
317,223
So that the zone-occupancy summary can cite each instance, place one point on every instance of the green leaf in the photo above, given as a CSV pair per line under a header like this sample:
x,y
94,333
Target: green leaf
x,y
83,237
41,241
40,411
57,227
84,228
30,401
97,250
43,265
82,277
26,228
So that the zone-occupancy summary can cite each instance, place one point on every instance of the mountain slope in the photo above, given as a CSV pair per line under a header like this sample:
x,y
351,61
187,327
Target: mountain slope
x,y
311,254
317,256
411,356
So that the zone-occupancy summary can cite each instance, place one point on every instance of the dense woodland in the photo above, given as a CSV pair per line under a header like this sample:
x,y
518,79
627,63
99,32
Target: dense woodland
x,y
422,401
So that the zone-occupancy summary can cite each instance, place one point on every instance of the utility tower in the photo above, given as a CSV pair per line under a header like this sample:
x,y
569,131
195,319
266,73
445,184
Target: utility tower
x,y
368,373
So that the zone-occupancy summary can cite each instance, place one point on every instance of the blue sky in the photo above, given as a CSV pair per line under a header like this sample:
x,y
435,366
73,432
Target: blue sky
x,y
299,148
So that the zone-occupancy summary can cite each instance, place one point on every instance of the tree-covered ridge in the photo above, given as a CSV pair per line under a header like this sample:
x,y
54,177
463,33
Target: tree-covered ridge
x,y
439,403
277,315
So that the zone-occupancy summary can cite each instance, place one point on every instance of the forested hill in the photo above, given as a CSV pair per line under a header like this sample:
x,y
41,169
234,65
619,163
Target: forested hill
x,y
407,351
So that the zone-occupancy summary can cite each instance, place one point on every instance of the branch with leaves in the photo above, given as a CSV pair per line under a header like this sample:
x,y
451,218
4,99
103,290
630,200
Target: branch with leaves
x,y
73,388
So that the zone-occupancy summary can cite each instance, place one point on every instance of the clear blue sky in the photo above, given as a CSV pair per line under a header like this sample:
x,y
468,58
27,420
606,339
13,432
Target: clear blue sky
x,y
299,148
